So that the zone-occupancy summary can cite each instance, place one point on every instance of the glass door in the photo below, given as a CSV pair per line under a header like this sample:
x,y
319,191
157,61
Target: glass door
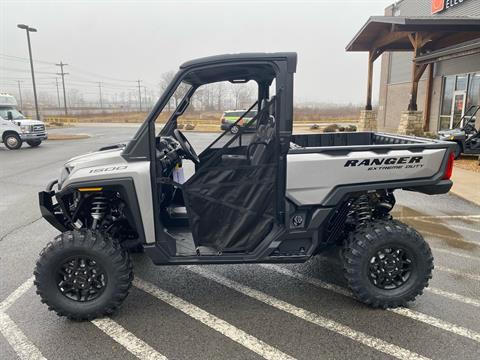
x,y
458,108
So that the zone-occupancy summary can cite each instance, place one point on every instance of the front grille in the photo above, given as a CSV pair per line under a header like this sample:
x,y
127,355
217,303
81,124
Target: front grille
x,y
38,128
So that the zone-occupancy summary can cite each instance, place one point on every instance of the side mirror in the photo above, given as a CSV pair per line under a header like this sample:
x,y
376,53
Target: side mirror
x,y
9,115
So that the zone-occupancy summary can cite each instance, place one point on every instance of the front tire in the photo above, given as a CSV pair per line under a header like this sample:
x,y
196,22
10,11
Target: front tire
x,y
83,275
387,264
12,141
34,143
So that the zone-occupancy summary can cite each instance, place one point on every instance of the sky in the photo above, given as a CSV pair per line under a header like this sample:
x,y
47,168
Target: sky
x,y
118,42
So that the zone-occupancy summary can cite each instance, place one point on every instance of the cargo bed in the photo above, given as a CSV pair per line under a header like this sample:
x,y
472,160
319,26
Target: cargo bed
x,y
322,168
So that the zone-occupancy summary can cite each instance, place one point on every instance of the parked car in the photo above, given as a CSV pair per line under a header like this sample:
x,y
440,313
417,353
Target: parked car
x,y
229,120
270,197
15,128
466,136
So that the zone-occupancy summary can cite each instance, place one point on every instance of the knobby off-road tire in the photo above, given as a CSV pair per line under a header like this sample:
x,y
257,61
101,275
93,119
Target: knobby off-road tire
x,y
82,258
376,249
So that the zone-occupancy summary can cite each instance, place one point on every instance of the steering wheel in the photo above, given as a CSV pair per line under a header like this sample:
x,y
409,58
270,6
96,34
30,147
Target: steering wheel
x,y
186,146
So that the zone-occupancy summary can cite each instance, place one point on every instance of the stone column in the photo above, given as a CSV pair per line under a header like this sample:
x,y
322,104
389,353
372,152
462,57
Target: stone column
x,y
411,123
368,121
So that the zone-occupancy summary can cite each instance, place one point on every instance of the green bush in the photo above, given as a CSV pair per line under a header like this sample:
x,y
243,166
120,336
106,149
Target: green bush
x,y
331,128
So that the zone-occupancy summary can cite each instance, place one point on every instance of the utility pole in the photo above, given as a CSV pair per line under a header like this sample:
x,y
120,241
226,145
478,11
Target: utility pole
x,y
29,29
145,96
140,94
62,73
100,93
58,93
20,94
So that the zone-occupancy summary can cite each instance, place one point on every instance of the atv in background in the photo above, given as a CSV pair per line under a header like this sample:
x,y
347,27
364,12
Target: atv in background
x,y
465,134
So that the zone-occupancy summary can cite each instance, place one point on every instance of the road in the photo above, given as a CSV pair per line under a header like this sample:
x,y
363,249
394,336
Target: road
x,y
235,312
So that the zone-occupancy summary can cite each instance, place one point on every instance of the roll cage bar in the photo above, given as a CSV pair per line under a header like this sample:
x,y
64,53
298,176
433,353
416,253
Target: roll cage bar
x,y
260,67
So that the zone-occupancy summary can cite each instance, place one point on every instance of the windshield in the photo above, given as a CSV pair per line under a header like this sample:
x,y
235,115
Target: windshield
x,y
16,115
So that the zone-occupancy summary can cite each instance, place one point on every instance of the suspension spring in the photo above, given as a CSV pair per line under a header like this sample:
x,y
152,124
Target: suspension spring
x,y
98,209
362,210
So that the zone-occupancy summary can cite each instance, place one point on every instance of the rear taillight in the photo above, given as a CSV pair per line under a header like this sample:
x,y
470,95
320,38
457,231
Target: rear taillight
x,y
449,168
223,120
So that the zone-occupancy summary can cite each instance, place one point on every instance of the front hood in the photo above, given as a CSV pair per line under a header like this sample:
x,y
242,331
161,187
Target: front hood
x,y
96,158
23,122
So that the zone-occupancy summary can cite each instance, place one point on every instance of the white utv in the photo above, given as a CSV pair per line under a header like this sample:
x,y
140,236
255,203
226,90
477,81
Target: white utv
x,y
15,128
262,197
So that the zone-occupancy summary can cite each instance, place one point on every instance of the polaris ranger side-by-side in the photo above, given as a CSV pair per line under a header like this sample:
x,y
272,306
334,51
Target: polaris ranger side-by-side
x,y
465,134
262,197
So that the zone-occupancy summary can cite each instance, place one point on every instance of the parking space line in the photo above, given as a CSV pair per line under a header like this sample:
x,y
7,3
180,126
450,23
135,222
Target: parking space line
x,y
415,315
14,296
134,345
23,347
217,324
473,217
360,337
454,253
450,225
467,275
453,296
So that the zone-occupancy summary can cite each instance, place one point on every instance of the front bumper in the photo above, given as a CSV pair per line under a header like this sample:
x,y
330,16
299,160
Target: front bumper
x,y
33,136
51,212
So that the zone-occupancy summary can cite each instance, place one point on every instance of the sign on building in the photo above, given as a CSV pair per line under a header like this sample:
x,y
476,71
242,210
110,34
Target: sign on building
x,y
441,5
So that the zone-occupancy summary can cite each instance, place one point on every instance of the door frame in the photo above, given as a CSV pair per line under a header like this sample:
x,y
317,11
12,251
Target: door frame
x,y
452,114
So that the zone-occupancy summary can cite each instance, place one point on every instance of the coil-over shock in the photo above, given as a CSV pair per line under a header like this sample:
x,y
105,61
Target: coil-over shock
x,y
99,206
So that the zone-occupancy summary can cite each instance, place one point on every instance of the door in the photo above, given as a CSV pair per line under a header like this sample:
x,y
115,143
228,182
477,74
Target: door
x,y
231,197
458,108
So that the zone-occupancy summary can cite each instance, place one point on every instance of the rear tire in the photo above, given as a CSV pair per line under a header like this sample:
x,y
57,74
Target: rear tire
x,y
387,264
83,289
34,143
12,141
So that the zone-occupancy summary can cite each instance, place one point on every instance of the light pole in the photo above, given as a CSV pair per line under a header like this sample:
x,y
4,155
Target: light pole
x,y
28,30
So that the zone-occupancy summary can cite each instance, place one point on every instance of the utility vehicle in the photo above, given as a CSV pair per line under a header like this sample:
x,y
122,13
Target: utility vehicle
x,y
465,134
266,197
15,128
229,120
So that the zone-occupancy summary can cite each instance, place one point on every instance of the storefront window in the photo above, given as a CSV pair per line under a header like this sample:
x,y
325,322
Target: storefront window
x,y
449,88
474,90
462,81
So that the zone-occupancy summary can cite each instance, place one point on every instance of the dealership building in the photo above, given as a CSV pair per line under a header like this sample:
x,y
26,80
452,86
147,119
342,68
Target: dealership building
x,y
430,65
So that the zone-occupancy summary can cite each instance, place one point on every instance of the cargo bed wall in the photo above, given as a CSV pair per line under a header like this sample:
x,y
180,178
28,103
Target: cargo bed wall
x,y
354,139
337,164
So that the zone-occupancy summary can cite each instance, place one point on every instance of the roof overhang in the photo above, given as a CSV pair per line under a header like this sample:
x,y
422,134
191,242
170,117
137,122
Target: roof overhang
x,y
392,33
452,52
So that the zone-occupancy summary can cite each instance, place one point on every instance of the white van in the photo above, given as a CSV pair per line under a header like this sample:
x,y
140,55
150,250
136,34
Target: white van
x,y
15,128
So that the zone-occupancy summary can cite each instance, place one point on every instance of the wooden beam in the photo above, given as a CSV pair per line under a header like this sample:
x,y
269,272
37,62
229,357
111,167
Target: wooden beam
x,y
371,60
428,99
389,38
417,70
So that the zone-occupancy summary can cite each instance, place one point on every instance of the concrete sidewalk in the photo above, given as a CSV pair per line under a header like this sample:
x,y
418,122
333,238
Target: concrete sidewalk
x,y
466,184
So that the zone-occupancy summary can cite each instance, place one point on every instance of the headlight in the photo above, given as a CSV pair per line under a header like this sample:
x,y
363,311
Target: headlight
x,y
25,128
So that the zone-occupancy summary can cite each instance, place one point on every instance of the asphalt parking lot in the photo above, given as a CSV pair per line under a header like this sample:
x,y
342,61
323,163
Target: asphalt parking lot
x,y
235,312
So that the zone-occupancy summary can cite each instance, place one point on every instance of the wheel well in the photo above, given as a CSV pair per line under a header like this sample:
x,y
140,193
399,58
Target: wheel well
x,y
120,206
9,132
